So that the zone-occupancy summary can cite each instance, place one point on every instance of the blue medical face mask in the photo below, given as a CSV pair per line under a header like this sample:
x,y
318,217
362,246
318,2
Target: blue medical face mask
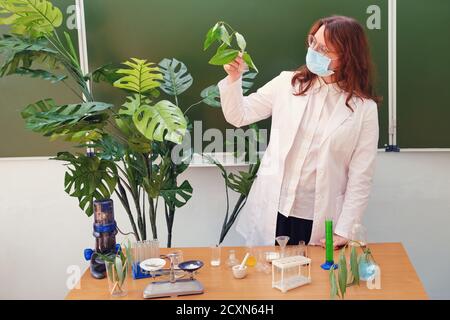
x,y
318,63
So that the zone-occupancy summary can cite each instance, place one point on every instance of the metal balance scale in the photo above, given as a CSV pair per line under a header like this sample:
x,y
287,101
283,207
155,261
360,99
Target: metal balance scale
x,y
173,287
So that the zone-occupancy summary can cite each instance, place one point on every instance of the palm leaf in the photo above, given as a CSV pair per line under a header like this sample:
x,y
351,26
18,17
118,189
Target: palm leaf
x,y
88,179
162,121
42,74
140,77
176,78
34,18
49,119
22,53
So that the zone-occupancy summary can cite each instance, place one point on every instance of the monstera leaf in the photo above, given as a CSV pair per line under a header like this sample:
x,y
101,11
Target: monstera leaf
x,y
211,94
20,53
162,121
176,77
34,18
177,196
50,119
88,179
124,120
140,77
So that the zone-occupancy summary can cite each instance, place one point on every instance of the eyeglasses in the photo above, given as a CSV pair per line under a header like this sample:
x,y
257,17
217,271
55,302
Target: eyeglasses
x,y
312,42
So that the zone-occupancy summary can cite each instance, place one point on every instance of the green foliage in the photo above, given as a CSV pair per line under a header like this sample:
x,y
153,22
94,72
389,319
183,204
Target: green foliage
x,y
22,53
354,268
88,179
225,53
117,265
343,273
33,18
129,148
42,74
333,284
124,120
176,196
176,78
67,120
140,77
162,121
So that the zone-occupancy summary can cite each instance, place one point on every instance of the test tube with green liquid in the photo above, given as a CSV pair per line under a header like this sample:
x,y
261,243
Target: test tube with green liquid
x,y
329,250
329,241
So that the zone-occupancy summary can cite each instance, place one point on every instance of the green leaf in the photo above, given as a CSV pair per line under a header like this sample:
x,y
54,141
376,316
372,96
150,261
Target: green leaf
x,y
108,148
212,35
42,74
176,78
248,60
211,96
128,253
242,182
34,18
88,179
342,272
224,35
23,53
72,51
240,41
162,121
224,57
106,73
140,77
334,293
66,119
177,196
354,266
119,269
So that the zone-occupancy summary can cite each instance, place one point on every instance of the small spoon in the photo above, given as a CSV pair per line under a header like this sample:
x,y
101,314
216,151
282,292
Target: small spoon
x,y
244,261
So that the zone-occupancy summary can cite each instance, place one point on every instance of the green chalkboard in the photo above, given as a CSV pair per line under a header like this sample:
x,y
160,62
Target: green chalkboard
x,y
423,94
275,32
155,29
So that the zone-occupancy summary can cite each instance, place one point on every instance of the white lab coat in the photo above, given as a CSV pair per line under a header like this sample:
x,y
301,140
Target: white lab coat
x,y
345,163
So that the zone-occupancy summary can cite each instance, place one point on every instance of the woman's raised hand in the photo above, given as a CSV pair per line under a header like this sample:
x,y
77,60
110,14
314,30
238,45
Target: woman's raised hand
x,y
235,68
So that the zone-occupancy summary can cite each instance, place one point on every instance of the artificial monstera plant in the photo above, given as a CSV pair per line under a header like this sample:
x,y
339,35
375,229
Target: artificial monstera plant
x,y
129,146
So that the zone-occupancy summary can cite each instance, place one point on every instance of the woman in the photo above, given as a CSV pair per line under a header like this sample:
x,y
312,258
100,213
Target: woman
x,y
323,143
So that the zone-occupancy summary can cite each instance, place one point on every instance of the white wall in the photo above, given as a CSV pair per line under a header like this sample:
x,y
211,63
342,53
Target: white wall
x,y
43,232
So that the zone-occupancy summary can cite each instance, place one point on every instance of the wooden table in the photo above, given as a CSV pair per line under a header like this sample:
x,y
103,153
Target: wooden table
x,y
398,279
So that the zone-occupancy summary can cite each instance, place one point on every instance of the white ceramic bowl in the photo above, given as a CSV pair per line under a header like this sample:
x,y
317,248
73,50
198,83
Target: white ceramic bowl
x,y
239,273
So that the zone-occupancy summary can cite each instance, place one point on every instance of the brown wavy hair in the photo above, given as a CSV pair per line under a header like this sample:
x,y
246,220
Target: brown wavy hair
x,y
355,72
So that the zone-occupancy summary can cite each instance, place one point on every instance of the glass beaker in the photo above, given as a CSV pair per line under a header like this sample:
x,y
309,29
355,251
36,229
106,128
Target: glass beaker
x,y
215,256
301,249
232,260
117,279
177,258
358,235
252,258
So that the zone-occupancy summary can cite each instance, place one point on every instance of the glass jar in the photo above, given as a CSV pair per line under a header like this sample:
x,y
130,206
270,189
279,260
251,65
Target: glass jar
x,y
232,260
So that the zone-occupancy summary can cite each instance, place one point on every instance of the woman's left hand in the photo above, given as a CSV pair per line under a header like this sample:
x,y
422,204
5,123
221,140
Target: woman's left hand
x,y
338,242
